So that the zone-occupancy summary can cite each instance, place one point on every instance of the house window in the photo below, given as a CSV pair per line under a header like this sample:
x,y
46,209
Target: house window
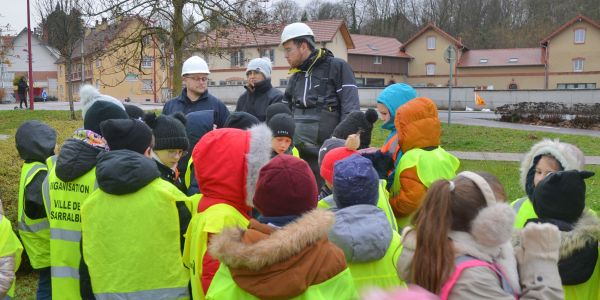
x,y
131,77
147,85
237,58
430,69
270,53
283,82
579,36
375,82
571,86
578,65
431,43
147,62
98,63
483,61
360,81
377,60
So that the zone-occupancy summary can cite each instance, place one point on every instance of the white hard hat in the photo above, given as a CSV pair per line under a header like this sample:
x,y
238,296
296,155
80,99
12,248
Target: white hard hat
x,y
295,30
193,65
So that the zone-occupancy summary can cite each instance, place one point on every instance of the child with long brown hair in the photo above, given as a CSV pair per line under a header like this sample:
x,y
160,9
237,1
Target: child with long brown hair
x,y
460,247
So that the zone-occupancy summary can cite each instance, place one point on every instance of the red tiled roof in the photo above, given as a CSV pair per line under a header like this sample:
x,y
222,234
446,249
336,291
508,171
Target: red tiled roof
x,y
269,35
578,18
501,57
377,46
431,26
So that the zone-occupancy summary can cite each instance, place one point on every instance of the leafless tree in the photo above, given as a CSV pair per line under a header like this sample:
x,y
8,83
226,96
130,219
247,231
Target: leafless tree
x,y
177,20
285,11
64,28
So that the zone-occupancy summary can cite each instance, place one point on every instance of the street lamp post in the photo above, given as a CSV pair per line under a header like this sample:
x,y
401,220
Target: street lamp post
x,y
450,57
29,58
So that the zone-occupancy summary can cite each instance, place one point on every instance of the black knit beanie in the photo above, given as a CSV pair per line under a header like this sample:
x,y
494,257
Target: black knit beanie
x,y
241,120
134,111
169,131
128,134
355,122
277,108
101,111
561,195
282,125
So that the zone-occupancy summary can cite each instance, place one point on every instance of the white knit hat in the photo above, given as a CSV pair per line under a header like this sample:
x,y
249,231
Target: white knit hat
x,y
261,64
88,95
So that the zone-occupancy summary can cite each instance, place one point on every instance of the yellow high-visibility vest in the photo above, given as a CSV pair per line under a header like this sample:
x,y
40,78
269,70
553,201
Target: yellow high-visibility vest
x,y
35,233
131,243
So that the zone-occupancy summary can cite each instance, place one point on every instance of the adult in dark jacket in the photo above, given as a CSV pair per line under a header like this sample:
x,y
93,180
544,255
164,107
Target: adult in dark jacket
x,y
195,95
22,88
321,91
259,93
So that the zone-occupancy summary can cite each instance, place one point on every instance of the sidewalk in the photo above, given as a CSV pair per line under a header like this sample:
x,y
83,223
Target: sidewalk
x,y
499,156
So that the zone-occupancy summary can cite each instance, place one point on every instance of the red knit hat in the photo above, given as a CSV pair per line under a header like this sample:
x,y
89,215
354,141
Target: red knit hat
x,y
286,186
330,158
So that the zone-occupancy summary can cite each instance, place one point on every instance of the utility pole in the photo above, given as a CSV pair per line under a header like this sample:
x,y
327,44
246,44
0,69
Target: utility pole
x,y
450,57
29,58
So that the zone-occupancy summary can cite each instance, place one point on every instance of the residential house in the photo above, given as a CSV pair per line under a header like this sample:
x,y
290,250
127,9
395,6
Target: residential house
x,y
573,55
125,68
503,69
377,61
16,63
228,52
428,66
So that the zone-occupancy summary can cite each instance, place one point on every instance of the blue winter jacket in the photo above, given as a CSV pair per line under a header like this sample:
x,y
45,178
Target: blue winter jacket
x,y
207,101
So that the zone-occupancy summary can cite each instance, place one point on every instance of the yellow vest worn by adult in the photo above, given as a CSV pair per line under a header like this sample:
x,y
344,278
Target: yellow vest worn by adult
x,y
35,233
383,203
341,286
131,244
10,246
381,273
213,220
430,165
63,201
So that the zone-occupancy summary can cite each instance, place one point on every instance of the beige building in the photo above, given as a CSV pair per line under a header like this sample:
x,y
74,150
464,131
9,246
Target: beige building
x,y
136,71
573,55
377,61
566,59
234,48
501,69
428,66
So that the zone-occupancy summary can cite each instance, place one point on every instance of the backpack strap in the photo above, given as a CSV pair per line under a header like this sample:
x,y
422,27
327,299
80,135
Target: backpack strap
x,y
465,262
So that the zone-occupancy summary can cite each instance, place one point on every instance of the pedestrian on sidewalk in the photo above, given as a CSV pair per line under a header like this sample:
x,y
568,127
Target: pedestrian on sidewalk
x,y
22,88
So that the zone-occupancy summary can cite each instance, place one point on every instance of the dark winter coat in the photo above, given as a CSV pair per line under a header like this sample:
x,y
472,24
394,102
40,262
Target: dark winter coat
x,y
255,102
206,101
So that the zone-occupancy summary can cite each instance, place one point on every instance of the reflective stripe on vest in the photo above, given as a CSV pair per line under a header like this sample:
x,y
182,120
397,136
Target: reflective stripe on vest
x,y
168,293
145,251
65,272
34,232
65,235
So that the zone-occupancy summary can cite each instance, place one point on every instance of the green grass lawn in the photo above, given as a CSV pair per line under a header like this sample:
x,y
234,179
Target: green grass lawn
x,y
459,138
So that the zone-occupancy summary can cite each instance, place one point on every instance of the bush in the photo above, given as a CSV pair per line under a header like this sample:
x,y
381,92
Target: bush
x,y
579,115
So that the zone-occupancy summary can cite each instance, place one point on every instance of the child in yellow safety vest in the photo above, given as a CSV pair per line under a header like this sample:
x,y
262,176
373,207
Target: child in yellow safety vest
x,y
559,199
542,159
10,257
35,142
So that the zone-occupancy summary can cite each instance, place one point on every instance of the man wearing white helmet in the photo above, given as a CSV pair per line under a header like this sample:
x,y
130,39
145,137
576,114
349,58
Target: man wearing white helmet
x,y
195,95
321,91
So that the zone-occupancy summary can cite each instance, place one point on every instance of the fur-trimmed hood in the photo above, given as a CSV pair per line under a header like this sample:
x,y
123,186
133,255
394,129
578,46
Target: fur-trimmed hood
x,y
227,162
587,229
569,157
272,263
229,247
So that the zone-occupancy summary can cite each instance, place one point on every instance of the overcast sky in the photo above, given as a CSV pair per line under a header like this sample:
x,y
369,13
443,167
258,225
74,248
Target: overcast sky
x,y
14,13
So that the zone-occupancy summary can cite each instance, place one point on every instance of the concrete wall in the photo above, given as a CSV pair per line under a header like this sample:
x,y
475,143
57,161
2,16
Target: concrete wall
x,y
461,97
